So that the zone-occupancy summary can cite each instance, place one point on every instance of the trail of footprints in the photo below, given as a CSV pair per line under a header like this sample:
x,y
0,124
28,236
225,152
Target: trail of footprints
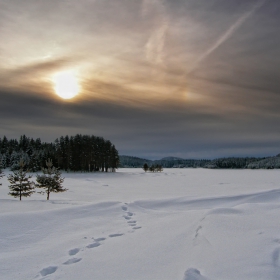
x,y
97,242
128,216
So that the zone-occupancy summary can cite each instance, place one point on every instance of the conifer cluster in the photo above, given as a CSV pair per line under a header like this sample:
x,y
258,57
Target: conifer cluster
x,y
74,153
152,168
21,185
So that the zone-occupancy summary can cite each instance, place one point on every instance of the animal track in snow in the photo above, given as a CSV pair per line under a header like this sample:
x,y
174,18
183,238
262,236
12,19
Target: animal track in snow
x,y
193,274
48,270
73,260
99,239
52,269
73,252
128,215
137,227
127,218
93,245
116,234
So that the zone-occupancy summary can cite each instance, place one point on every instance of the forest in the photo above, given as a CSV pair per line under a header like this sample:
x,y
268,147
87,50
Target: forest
x,y
70,153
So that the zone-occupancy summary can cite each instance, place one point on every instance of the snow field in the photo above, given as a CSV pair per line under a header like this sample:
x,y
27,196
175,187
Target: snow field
x,y
185,224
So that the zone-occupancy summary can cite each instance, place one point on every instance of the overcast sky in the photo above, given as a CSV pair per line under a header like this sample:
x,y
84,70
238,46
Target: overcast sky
x,y
186,78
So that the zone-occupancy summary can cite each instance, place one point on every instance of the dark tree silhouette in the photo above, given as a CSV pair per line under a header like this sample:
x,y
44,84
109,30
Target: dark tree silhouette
x,y
21,186
76,153
50,180
1,174
145,167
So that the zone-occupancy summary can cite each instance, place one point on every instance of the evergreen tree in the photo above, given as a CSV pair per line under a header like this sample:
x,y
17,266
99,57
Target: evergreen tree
x,y
76,153
152,168
1,173
20,186
158,168
146,167
50,180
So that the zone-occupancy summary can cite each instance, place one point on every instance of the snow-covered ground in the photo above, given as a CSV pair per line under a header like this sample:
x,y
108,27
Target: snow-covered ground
x,y
185,224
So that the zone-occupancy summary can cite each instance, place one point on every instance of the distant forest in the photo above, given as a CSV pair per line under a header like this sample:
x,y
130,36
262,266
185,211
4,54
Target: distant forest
x,y
71,153
220,163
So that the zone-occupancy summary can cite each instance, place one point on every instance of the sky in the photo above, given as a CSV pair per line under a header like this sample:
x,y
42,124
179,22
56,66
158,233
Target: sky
x,y
184,78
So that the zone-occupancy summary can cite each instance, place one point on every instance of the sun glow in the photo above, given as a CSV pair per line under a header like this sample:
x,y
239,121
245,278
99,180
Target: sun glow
x,y
66,85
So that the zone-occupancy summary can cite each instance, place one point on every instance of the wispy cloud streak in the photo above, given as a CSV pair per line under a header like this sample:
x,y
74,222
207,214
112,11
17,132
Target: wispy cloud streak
x,y
155,45
234,27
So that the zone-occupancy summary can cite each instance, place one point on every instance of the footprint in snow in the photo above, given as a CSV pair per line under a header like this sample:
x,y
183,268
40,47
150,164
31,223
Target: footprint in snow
x,y
73,260
48,270
132,223
116,235
93,245
193,274
137,227
73,252
127,218
99,239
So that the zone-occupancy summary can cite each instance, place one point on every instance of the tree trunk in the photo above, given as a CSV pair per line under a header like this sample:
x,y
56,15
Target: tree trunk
x,y
48,196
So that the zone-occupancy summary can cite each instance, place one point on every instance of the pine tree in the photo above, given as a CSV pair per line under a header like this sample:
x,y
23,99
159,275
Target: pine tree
x,y
1,173
158,168
152,168
146,167
20,186
50,180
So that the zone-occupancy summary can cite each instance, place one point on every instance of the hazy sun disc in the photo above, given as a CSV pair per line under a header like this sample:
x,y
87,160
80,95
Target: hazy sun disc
x,y
66,85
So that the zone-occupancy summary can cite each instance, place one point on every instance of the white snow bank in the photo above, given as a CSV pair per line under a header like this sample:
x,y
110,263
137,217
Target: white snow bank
x,y
190,224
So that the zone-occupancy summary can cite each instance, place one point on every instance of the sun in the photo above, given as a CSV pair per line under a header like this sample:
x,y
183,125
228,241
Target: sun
x,y
65,84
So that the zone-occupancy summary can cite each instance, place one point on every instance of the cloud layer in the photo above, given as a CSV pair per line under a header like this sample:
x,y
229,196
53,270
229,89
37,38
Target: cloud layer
x,y
159,77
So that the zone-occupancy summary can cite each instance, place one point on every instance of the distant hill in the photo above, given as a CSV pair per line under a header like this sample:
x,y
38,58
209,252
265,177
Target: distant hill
x,y
267,163
129,161
219,163
172,158
167,162
230,163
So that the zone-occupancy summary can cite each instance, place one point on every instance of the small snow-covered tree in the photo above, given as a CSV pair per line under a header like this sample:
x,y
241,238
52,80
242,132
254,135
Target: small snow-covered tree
x,y
50,180
3,161
16,157
21,186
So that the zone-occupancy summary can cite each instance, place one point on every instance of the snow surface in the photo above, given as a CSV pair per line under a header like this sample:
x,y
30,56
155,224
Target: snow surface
x,y
185,224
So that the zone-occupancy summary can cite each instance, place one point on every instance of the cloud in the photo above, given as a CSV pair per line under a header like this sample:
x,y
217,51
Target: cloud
x,y
134,68
224,37
155,45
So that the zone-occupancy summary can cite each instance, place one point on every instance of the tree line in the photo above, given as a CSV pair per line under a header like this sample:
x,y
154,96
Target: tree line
x,y
71,153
